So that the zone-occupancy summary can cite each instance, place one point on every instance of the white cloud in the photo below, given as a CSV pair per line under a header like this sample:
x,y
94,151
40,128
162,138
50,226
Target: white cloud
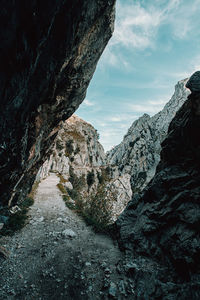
x,y
183,17
135,26
88,102
125,118
150,107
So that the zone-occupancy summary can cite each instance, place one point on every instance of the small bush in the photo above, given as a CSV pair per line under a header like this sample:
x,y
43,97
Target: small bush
x,y
68,203
90,159
61,188
69,149
62,179
100,177
59,145
73,194
77,182
90,178
108,170
18,220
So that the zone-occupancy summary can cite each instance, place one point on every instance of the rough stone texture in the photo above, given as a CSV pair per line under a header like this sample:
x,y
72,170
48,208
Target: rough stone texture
x,y
76,146
139,152
49,52
194,82
160,227
78,153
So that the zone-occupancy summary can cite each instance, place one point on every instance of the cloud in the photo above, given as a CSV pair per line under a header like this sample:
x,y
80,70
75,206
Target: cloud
x,y
183,18
87,102
150,107
135,26
122,118
112,136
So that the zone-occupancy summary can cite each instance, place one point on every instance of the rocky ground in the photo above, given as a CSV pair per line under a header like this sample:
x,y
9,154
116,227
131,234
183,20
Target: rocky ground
x,y
57,256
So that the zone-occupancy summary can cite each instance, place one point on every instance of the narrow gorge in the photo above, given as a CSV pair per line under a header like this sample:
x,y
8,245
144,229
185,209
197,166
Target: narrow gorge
x,y
117,225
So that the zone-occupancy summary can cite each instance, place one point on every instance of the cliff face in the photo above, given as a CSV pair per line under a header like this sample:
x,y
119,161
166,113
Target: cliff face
x,y
160,227
139,152
85,174
49,51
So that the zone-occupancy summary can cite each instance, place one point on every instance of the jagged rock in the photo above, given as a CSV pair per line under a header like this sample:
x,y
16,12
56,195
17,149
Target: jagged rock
x,y
15,209
68,185
194,82
139,152
112,290
161,226
4,219
49,51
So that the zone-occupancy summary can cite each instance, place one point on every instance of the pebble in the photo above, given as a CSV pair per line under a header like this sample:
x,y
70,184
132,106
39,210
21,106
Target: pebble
x,y
69,233
41,219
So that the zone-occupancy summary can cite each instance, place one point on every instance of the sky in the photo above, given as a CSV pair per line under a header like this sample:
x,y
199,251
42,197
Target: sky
x,y
155,44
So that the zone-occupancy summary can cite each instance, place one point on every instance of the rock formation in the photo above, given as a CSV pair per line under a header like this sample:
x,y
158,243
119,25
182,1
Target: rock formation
x,y
49,51
139,152
80,160
160,227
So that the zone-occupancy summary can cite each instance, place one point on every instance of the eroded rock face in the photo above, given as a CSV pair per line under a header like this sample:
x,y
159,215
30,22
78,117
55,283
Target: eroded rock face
x,y
139,153
160,227
49,52
86,175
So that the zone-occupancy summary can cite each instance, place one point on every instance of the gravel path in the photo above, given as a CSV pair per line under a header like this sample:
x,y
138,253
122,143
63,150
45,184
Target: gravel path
x,y
57,256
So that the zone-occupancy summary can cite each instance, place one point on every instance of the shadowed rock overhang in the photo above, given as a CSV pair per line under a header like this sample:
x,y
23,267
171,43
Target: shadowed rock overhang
x,y
49,51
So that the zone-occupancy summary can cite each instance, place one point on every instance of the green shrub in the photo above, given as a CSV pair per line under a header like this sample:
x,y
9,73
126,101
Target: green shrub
x,y
73,193
62,179
90,178
69,149
77,182
59,145
90,159
17,220
100,177
68,203
61,188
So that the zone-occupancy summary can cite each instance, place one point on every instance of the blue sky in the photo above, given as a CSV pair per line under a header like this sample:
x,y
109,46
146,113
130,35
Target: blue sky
x,y
155,44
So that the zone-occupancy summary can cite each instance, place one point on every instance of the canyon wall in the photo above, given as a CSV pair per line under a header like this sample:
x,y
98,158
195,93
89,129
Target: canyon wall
x,y
139,153
160,227
49,51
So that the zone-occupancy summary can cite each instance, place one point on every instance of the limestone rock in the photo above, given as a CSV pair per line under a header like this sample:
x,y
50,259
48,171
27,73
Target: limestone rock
x,y
69,233
139,152
161,225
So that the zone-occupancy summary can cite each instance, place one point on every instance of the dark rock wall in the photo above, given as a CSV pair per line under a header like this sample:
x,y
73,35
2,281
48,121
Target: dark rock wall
x,y
162,225
48,54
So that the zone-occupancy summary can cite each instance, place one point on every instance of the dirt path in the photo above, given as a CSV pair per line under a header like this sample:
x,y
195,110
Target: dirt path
x,y
56,256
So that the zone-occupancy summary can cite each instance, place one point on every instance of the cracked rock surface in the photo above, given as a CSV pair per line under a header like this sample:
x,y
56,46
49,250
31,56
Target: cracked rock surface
x,y
49,51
